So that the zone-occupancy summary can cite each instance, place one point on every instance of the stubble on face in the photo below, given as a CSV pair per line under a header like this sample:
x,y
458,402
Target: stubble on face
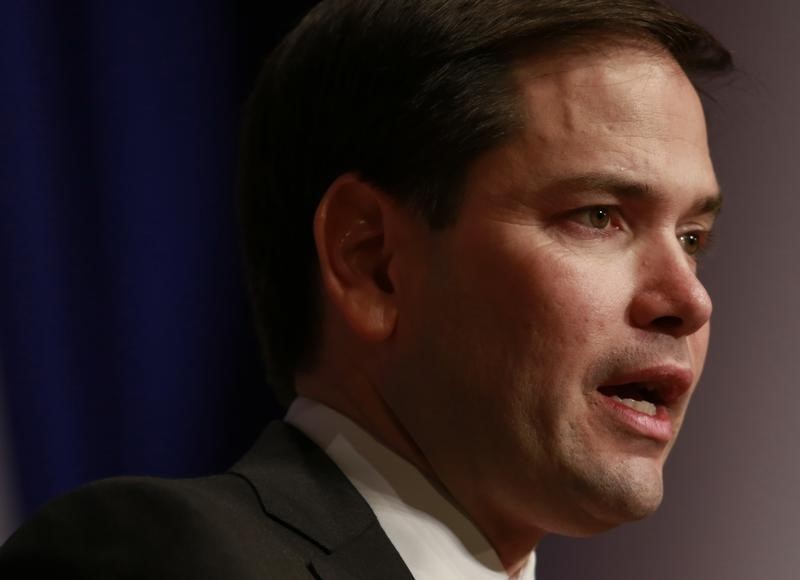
x,y
521,309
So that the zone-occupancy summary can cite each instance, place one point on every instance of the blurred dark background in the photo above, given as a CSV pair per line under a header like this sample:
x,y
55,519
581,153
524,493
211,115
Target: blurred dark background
x,y
125,338
125,341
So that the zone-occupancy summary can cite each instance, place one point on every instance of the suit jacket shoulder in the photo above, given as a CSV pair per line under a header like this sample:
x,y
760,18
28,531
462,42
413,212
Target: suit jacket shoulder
x,y
283,511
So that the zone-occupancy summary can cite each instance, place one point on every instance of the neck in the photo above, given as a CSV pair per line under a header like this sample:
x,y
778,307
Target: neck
x,y
355,400
370,412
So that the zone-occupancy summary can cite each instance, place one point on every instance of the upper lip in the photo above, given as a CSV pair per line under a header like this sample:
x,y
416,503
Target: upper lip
x,y
668,382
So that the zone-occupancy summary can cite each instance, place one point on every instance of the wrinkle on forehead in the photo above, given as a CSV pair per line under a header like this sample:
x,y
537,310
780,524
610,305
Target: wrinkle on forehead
x,y
613,88
622,106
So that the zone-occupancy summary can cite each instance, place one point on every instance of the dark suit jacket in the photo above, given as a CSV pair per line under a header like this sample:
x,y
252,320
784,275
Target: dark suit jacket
x,y
284,511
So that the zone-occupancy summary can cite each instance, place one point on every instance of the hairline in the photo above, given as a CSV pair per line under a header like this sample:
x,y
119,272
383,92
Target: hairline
x,y
539,52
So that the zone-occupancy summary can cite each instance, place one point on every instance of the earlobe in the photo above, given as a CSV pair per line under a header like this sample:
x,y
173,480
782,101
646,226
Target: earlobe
x,y
354,250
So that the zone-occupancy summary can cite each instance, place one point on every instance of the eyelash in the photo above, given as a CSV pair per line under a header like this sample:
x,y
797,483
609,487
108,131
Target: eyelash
x,y
705,238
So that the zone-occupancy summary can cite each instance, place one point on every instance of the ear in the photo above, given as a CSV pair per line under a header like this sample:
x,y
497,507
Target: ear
x,y
354,250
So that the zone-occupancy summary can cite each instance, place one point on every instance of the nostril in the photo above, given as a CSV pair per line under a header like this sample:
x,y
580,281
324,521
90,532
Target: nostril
x,y
668,322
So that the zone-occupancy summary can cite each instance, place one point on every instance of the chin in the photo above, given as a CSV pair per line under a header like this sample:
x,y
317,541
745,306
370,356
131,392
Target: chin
x,y
636,501
637,506
614,499
607,517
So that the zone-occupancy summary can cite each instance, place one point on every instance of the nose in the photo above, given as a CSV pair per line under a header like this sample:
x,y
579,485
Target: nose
x,y
670,298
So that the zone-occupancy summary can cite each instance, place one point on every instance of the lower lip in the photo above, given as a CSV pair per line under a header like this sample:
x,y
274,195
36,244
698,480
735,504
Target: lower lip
x,y
658,428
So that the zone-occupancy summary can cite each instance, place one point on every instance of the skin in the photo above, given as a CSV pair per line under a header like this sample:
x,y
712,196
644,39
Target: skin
x,y
476,351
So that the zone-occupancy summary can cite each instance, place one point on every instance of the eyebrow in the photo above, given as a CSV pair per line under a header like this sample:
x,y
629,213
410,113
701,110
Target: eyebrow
x,y
624,188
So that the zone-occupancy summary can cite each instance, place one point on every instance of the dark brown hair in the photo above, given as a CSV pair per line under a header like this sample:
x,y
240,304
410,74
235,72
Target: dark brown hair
x,y
407,93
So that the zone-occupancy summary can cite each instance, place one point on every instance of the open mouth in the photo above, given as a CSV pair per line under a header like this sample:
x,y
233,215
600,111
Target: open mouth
x,y
642,397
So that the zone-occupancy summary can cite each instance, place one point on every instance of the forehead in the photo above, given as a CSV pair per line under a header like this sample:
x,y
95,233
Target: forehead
x,y
620,108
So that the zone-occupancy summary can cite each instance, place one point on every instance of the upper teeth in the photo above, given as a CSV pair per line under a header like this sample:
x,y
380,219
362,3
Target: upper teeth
x,y
645,407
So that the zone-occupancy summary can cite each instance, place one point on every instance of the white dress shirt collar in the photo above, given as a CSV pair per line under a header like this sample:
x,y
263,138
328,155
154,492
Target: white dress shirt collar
x,y
434,538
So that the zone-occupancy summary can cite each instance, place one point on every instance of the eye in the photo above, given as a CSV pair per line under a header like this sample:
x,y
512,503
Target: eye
x,y
599,217
694,242
595,221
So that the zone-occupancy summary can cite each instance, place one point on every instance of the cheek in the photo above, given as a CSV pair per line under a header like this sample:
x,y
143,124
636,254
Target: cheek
x,y
554,296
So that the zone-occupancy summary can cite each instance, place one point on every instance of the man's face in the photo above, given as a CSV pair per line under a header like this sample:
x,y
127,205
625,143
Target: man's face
x,y
566,290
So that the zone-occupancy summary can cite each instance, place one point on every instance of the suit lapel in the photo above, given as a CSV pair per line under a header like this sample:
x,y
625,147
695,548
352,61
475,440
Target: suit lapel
x,y
300,486
349,562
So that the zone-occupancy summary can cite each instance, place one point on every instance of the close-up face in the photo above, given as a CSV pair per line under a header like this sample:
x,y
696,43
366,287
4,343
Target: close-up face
x,y
548,342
